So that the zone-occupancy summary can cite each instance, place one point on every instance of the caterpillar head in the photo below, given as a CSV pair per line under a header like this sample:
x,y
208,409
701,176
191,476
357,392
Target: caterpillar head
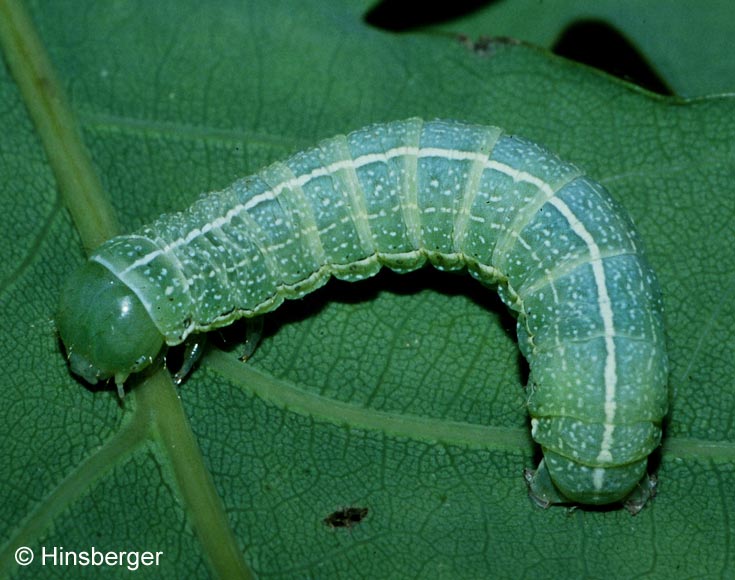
x,y
106,330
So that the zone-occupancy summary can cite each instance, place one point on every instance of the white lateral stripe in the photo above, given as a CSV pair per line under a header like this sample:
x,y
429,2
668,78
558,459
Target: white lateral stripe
x,y
363,160
603,299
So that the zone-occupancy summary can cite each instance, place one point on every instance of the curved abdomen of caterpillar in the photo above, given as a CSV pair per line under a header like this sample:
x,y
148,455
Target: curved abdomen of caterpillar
x,y
563,255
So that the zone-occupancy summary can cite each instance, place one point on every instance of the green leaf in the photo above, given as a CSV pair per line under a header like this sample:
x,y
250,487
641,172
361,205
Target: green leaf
x,y
675,38
401,394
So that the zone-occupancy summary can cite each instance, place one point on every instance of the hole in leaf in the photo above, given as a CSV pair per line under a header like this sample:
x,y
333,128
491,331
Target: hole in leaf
x,y
597,44
346,518
395,16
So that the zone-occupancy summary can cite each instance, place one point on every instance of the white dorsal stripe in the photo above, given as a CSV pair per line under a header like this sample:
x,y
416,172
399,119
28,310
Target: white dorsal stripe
x,y
361,161
603,301
604,454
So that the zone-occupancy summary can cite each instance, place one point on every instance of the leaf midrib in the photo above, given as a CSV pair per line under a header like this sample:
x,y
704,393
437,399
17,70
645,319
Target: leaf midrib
x,y
157,413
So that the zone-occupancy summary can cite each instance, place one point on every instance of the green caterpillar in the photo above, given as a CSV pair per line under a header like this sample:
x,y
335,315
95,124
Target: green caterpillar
x,y
563,255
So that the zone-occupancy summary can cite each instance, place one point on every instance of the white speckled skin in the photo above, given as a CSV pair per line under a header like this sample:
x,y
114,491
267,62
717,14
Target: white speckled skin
x,y
563,254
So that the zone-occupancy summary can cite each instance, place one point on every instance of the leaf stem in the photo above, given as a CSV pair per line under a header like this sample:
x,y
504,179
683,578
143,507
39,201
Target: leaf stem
x,y
47,106
192,477
158,412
